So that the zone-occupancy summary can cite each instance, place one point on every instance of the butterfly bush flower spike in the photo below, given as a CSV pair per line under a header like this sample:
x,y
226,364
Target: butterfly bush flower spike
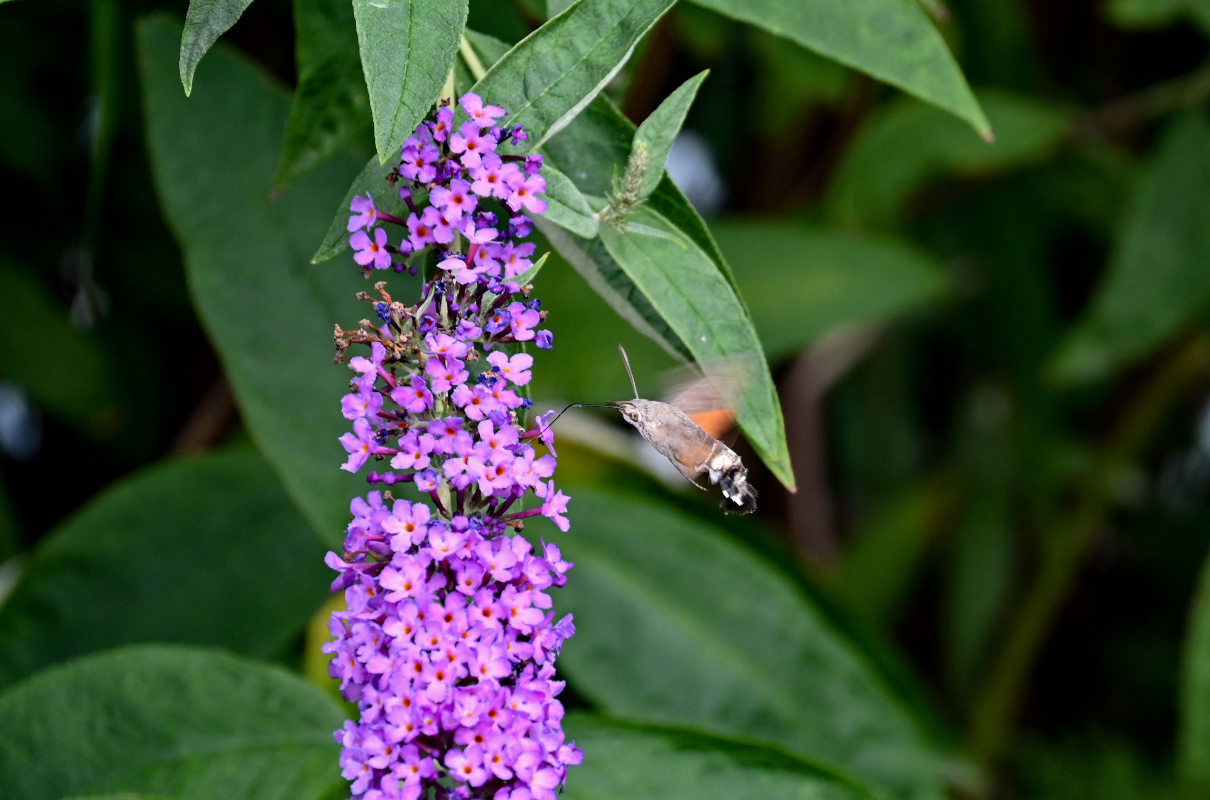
x,y
449,638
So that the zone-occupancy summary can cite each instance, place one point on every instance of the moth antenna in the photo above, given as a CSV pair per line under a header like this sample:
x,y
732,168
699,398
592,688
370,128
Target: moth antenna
x,y
626,362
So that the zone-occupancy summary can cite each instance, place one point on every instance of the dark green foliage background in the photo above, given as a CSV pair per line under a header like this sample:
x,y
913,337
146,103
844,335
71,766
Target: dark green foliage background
x,y
992,360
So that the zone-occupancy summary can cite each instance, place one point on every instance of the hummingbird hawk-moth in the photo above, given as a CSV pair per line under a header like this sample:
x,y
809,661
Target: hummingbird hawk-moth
x,y
678,433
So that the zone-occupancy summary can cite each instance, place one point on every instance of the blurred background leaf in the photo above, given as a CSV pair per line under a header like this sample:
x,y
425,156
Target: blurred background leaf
x,y
268,311
156,559
1156,283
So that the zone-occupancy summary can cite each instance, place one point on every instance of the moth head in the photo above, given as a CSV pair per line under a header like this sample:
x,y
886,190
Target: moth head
x,y
630,411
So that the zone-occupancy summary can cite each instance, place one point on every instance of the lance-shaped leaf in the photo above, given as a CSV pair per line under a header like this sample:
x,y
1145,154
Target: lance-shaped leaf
x,y
179,721
656,134
329,103
205,21
552,74
891,40
407,49
685,287
1157,274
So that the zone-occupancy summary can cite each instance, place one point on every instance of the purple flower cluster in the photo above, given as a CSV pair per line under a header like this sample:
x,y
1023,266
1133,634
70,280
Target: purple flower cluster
x,y
448,642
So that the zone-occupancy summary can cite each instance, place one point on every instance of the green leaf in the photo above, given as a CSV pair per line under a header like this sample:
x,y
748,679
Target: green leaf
x,y
99,580
121,796
633,761
371,180
1157,13
1098,764
552,74
726,643
205,21
168,720
606,277
891,40
268,312
330,102
1156,283
407,50
802,283
908,145
594,148
1193,739
657,132
565,206
86,397
685,287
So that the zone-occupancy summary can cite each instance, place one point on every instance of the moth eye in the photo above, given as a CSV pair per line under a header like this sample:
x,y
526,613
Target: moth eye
x,y
634,415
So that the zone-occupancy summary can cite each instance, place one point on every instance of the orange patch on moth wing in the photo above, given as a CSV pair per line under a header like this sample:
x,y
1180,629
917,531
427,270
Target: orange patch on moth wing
x,y
716,422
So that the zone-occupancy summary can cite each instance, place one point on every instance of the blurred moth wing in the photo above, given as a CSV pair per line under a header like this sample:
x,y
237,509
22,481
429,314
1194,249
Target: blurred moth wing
x,y
709,396
674,430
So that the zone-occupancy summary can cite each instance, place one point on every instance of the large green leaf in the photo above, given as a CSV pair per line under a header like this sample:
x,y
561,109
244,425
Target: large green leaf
x,y
803,282
1194,708
205,21
552,74
268,312
330,102
102,578
892,40
184,722
407,49
676,624
637,762
907,145
1156,282
685,287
